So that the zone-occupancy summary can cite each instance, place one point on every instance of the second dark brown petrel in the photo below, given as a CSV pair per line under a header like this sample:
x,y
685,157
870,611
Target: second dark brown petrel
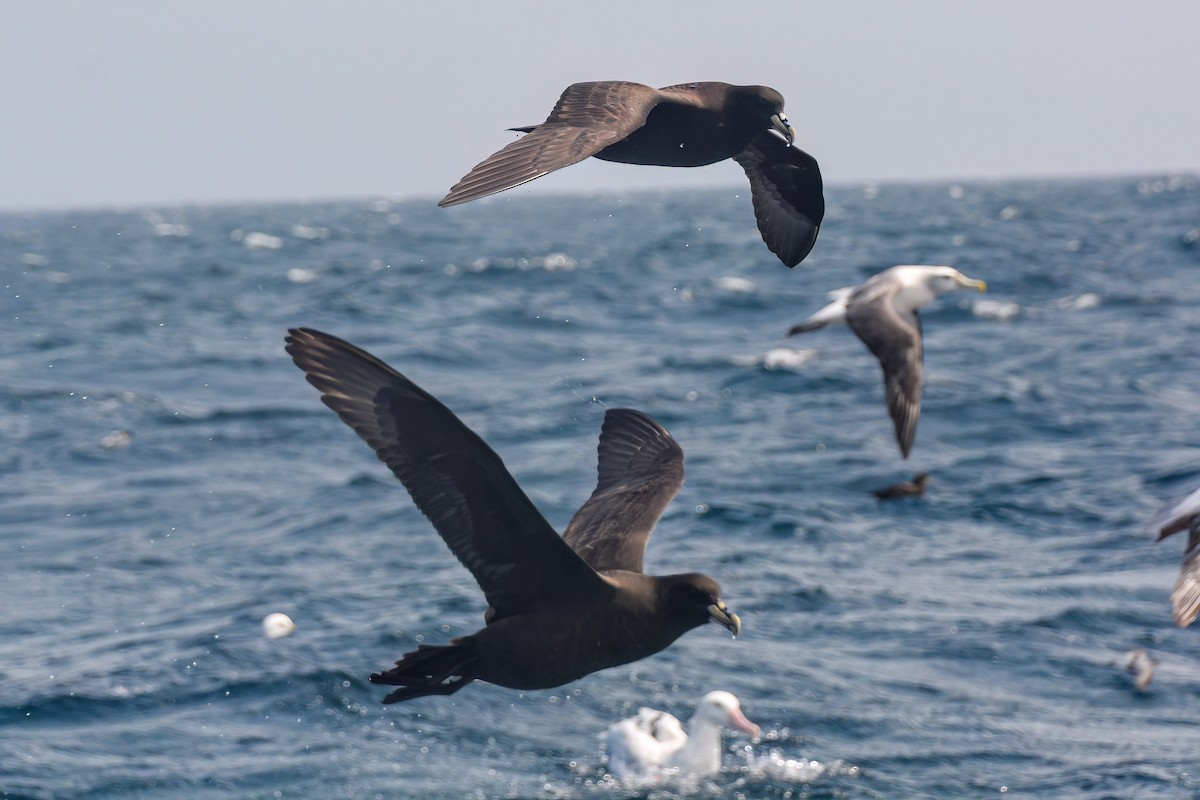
x,y
1171,519
688,125
560,607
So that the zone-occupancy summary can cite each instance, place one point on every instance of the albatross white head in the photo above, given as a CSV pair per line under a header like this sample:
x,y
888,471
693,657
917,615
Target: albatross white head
x,y
722,709
701,755
921,283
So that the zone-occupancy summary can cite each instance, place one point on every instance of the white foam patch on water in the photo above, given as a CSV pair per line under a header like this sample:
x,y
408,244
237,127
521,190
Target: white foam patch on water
x,y
995,309
116,440
777,358
734,283
175,229
551,262
787,357
774,765
1079,303
301,275
309,232
256,240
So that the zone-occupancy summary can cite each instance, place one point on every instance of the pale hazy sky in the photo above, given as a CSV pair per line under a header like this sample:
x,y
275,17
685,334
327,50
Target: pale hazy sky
x,y
129,102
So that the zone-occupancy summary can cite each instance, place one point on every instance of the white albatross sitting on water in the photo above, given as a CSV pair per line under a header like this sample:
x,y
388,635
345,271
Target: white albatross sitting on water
x,y
883,313
654,740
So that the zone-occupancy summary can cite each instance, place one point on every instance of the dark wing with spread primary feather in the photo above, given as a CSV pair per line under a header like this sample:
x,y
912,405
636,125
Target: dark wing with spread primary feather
x,y
1185,598
588,118
789,200
896,341
456,480
640,472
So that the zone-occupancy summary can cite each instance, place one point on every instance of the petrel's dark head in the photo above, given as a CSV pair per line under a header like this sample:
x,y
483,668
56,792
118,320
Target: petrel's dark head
x,y
765,106
695,599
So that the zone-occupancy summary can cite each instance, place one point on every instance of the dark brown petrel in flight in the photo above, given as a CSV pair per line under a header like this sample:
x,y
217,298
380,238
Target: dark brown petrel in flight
x,y
561,607
689,125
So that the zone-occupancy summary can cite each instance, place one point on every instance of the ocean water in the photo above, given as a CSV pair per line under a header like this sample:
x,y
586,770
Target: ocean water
x,y
959,645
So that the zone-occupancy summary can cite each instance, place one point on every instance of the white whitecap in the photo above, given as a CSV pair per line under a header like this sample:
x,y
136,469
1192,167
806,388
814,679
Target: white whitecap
x,y
1080,303
309,232
995,309
116,440
774,765
787,357
734,283
171,229
301,275
256,240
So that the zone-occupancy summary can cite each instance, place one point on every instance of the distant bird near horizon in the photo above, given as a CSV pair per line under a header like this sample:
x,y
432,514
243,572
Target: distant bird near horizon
x,y
637,746
559,607
882,312
686,125
913,488
1171,519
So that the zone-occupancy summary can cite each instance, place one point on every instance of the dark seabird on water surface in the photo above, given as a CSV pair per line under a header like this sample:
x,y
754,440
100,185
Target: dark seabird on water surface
x,y
883,313
688,125
913,488
1171,519
560,607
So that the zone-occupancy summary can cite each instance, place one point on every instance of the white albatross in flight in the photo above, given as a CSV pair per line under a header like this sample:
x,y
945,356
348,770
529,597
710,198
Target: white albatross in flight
x,y
883,313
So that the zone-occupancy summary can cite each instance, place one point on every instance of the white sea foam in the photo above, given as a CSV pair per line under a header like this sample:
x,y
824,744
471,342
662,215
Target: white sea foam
x,y
734,283
995,309
1079,302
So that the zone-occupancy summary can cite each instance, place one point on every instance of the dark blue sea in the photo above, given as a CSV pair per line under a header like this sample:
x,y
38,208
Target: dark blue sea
x,y
168,478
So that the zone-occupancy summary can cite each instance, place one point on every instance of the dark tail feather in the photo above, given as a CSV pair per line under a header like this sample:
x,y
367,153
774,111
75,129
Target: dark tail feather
x,y
526,129
430,669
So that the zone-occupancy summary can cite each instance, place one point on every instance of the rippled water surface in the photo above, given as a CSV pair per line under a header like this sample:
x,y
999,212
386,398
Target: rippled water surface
x,y
958,645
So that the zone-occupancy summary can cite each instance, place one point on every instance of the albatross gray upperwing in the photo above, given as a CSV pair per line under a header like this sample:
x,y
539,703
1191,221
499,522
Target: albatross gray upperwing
x,y
788,195
640,471
588,117
456,480
894,339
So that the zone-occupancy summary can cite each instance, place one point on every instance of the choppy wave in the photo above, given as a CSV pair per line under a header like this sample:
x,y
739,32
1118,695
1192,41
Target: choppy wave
x,y
954,645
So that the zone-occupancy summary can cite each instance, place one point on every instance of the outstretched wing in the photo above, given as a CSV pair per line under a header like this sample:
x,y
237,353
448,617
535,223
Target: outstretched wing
x,y
895,340
1176,516
588,118
456,480
1185,598
640,471
788,195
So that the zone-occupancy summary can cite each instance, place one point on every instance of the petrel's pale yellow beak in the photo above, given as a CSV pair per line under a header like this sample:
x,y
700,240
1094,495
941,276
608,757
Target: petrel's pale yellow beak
x,y
717,612
780,123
